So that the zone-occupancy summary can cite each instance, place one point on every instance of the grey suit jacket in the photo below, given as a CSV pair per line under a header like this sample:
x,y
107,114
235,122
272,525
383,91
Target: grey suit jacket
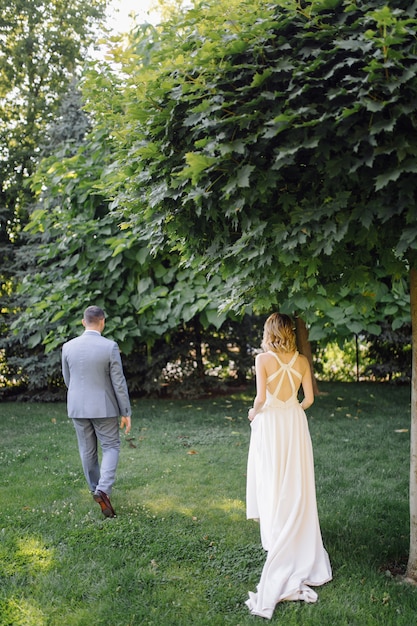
x,y
93,372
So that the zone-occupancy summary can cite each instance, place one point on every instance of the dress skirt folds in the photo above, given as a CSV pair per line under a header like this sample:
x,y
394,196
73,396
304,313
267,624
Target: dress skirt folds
x,y
281,495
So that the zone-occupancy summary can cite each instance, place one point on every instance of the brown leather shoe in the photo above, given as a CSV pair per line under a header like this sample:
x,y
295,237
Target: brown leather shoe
x,y
104,502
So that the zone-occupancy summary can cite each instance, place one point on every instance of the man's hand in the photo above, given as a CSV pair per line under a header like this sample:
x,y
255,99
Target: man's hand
x,y
125,422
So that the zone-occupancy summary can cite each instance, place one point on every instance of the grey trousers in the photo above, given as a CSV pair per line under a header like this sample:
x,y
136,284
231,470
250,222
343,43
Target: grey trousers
x,y
90,433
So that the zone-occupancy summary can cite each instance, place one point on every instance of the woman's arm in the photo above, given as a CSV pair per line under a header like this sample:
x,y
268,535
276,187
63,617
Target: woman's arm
x,y
307,383
260,387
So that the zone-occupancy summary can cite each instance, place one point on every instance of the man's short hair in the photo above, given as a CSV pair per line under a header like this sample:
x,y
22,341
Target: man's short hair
x,y
93,315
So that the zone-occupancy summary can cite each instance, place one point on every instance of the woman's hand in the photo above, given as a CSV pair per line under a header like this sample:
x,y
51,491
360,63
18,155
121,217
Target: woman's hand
x,y
251,414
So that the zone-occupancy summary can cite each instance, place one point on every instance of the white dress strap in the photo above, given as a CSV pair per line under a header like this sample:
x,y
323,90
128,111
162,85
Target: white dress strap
x,y
285,368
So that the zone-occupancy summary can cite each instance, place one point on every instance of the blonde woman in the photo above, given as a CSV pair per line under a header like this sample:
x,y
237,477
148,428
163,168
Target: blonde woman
x,y
280,479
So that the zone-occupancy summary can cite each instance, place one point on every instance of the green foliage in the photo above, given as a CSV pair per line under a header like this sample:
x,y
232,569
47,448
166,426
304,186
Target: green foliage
x,y
390,355
42,49
85,254
272,145
344,361
243,160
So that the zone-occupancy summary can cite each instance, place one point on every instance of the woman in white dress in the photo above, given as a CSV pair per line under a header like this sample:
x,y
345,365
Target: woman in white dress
x,y
281,490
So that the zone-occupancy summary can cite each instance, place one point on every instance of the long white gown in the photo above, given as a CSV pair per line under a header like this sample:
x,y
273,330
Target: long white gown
x,y
281,494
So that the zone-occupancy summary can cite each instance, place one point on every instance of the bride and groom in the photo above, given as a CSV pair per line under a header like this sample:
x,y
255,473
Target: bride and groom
x,y
280,476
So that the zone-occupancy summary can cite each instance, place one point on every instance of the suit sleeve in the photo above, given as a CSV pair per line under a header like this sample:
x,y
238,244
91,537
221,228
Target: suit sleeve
x,y
119,381
65,368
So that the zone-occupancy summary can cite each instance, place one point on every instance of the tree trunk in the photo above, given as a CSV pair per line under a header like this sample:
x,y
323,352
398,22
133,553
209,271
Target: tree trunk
x,y
304,347
412,559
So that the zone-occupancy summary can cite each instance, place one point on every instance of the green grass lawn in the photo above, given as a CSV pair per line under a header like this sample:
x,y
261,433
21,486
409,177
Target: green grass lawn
x,y
181,550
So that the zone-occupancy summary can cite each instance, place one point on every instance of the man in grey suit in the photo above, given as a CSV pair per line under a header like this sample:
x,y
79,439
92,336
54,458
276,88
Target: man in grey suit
x,y
97,397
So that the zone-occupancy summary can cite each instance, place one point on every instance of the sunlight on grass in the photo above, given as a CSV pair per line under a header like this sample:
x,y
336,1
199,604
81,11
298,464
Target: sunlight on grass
x,y
21,612
167,505
33,554
229,506
29,556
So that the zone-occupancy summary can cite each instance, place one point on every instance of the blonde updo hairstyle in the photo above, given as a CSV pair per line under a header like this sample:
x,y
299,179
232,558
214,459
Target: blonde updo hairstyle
x,y
279,334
